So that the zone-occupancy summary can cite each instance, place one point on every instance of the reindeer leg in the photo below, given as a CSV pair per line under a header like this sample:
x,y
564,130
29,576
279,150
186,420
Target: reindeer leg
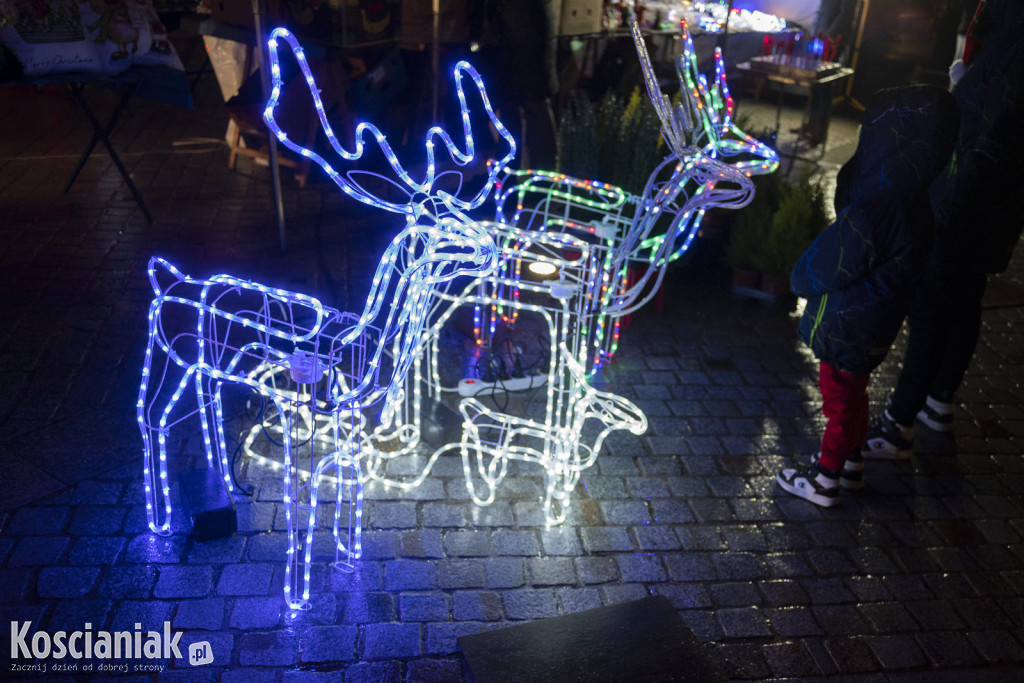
x,y
347,456
158,488
207,413
221,442
307,551
354,483
290,512
150,435
474,451
560,477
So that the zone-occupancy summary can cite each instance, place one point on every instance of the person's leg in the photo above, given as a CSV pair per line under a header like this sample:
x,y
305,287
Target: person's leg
x,y
945,322
844,403
843,396
964,292
929,326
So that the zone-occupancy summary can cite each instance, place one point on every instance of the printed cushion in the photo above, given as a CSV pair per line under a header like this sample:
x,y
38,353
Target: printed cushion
x,y
84,36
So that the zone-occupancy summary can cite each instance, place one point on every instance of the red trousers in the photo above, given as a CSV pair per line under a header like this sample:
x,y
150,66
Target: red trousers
x,y
844,401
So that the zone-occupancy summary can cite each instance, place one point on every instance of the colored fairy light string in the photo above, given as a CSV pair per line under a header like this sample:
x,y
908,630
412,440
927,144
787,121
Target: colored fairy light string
x,y
708,167
703,119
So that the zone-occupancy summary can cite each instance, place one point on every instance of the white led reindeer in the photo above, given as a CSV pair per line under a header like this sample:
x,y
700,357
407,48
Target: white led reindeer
x,y
243,333
206,333
593,237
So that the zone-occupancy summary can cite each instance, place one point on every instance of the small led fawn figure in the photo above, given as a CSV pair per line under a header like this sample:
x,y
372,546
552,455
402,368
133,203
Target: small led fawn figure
x,y
243,333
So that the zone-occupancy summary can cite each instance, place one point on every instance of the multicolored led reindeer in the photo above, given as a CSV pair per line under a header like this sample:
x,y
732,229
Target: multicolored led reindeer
x,y
708,158
605,253
608,251
246,334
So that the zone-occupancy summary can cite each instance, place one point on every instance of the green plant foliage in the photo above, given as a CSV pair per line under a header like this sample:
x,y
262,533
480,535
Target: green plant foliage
x,y
614,141
780,223
750,224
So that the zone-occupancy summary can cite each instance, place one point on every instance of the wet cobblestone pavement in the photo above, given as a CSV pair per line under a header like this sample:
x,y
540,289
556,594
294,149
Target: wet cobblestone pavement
x,y
921,578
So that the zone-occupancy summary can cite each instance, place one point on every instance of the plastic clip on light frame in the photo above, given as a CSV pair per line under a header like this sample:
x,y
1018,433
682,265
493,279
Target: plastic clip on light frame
x,y
264,345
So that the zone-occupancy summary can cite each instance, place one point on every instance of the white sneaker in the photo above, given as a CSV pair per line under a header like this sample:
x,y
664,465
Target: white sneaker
x,y
888,440
811,483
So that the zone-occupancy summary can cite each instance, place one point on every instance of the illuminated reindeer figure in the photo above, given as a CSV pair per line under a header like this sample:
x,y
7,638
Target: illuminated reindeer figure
x,y
607,252
249,334
709,162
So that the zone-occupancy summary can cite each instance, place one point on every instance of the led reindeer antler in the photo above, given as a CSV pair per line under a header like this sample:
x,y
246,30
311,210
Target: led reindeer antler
x,y
422,187
720,136
678,121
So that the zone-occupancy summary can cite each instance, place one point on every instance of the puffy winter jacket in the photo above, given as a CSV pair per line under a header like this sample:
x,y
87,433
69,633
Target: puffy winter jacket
x,y
859,274
976,199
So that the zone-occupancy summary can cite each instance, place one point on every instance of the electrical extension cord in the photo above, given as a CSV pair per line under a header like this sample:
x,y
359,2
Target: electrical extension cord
x,y
472,386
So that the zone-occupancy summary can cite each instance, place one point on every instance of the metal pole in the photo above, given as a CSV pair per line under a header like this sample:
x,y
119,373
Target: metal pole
x,y
849,98
723,37
435,54
275,170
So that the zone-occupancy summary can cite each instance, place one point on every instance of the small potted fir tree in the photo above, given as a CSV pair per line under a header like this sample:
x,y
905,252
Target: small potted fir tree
x,y
772,246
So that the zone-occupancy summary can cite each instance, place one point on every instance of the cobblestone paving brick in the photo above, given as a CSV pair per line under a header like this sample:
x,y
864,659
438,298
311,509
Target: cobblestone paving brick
x,y
920,578
206,614
183,582
382,641
267,648
245,579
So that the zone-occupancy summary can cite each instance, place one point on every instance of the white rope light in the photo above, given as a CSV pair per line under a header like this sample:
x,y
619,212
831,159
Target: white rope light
x,y
250,335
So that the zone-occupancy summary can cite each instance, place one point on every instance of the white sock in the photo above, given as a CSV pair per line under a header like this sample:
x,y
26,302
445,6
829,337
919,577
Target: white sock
x,y
939,407
827,482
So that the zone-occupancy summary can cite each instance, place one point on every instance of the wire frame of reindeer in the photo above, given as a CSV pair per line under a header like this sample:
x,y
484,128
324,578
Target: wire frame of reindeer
x,y
320,368
613,267
209,334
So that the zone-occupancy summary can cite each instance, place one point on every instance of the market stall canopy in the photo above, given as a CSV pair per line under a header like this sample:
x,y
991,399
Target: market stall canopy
x,y
802,12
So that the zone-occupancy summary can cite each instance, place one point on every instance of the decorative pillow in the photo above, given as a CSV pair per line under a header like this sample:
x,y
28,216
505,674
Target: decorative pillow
x,y
47,36
84,36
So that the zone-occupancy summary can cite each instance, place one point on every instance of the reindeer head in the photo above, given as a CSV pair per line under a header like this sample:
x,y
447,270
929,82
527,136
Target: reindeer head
x,y
425,199
703,117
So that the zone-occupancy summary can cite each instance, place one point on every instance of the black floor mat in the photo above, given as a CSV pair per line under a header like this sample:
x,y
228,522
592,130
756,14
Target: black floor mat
x,y
644,640
1003,293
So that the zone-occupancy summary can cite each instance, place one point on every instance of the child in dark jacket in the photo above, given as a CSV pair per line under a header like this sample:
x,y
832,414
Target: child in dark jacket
x,y
859,274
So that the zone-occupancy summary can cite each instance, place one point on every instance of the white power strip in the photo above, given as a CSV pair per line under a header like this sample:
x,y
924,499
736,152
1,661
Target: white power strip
x,y
471,386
